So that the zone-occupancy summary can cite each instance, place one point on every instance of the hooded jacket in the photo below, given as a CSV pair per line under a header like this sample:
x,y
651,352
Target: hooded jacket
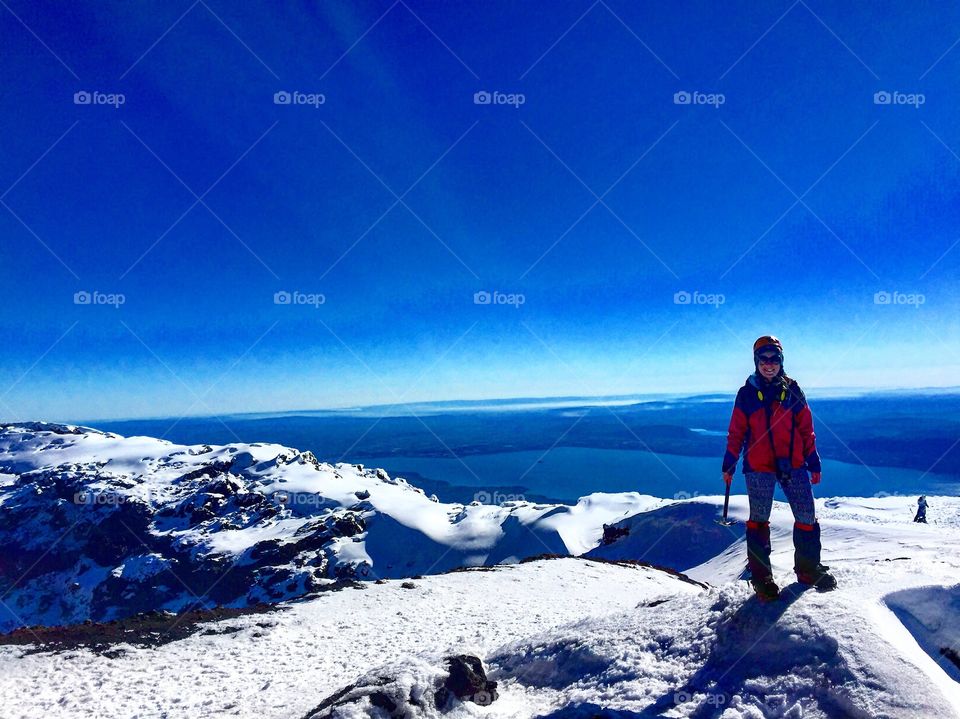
x,y
773,411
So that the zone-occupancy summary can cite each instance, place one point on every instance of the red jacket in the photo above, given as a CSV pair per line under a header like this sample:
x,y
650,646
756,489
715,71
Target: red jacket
x,y
775,411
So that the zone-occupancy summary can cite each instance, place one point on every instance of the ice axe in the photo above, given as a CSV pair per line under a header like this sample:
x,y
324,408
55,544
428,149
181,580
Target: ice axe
x,y
726,505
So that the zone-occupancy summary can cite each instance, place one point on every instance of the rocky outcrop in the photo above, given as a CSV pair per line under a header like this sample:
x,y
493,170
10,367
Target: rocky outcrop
x,y
88,541
462,679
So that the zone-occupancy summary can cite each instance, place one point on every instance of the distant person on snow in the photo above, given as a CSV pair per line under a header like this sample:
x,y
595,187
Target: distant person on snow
x,y
773,426
921,510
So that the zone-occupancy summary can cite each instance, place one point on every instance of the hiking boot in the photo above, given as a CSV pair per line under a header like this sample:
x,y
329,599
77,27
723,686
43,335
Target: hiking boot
x,y
758,549
766,589
818,577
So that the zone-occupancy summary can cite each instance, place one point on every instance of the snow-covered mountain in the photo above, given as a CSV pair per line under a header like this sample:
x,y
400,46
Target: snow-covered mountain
x,y
595,635
98,526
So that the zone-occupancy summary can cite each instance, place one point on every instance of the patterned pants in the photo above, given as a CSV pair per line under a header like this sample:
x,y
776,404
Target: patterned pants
x,y
760,486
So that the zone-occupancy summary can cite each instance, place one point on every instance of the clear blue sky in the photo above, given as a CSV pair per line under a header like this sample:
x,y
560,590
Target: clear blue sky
x,y
399,197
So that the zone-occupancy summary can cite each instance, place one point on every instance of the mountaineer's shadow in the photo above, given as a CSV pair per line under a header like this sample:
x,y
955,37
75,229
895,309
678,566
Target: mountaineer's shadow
x,y
751,643
754,642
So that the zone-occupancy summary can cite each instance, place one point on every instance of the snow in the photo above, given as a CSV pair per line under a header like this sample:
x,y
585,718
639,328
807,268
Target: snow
x,y
313,648
238,540
142,567
204,507
569,637
719,652
931,614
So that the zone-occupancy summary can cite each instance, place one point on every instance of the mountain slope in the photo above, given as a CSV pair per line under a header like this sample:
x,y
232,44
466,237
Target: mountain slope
x,y
885,644
569,637
98,526
282,664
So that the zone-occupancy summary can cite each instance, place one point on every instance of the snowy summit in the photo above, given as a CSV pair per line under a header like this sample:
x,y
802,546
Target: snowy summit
x,y
141,578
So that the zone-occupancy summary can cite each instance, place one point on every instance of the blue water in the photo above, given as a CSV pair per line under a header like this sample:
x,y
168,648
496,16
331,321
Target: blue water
x,y
567,473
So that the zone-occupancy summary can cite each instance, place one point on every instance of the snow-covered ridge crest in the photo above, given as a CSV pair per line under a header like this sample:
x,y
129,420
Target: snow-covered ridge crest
x,y
171,526
99,526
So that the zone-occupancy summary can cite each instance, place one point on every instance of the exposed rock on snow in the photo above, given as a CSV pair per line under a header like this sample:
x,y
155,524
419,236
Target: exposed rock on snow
x,y
98,524
402,690
466,682
97,527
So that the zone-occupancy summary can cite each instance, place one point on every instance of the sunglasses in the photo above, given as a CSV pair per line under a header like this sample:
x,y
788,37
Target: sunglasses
x,y
769,359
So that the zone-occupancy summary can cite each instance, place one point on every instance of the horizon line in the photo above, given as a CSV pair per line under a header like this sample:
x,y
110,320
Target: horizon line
x,y
837,392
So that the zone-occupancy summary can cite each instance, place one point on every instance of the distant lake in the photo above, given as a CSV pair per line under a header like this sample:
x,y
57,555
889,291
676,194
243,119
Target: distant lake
x,y
662,446
567,473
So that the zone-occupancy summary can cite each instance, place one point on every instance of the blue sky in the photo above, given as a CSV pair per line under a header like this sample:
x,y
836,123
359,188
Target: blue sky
x,y
396,199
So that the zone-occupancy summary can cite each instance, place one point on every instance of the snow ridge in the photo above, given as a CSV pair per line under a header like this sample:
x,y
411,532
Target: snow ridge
x,y
98,526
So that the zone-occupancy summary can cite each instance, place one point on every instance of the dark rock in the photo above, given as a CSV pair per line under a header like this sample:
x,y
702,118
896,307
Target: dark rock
x,y
612,533
381,700
225,485
467,682
349,525
214,469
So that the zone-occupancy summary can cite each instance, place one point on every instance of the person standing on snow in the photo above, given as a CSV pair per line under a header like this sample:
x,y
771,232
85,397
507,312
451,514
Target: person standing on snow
x,y
921,510
773,426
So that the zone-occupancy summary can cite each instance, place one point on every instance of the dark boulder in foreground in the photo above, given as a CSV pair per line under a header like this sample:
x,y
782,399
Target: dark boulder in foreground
x,y
462,680
467,682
